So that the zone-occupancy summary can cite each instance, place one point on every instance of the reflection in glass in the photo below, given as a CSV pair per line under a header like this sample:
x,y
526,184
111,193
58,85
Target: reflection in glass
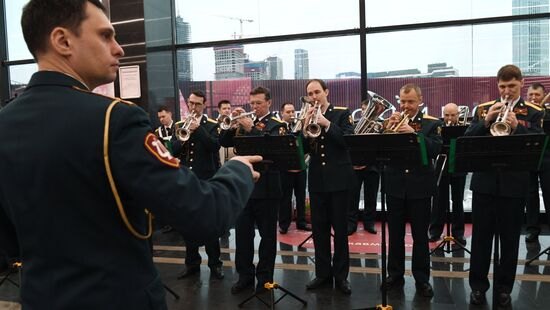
x,y
20,76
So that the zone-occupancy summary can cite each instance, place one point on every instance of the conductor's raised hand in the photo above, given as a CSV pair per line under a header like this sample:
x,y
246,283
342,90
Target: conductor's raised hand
x,y
249,160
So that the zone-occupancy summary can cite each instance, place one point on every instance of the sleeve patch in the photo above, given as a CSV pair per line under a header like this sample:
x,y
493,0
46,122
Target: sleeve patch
x,y
159,151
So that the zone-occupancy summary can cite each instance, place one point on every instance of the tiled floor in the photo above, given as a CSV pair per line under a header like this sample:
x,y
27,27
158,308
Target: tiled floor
x,y
294,268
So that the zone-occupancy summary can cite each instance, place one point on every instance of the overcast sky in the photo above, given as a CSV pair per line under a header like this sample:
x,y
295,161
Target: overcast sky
x,y
474,51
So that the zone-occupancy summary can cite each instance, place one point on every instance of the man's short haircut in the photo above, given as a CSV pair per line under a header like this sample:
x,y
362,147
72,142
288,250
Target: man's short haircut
x,y
538,86
163,108
321,82
508,73
40,17
285,104
261,90
199,93
224,101
411,86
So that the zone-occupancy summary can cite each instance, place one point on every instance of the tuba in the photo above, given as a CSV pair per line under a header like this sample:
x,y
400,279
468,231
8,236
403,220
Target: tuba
x,y
183,133
500,127
227,121
368,123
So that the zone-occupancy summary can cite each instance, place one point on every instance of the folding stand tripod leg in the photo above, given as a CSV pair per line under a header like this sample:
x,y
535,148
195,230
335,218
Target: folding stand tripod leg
x,y
272,286
545,251
15,268
309,237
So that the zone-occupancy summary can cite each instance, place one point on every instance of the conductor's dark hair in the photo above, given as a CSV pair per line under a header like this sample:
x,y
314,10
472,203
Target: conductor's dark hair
x,y
40,17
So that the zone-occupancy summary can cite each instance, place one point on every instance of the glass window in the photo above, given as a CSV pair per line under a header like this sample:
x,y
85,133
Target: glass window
x,y
20,76
397,12
17,49
231,72
456,64
212,20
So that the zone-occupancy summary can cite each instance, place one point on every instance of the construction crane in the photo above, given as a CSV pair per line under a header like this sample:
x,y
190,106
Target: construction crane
x,y
241,20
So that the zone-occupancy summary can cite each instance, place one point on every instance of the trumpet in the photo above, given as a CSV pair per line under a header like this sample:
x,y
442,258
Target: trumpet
x,y
301,115
312,129
183,133
227,121
404,120
500,127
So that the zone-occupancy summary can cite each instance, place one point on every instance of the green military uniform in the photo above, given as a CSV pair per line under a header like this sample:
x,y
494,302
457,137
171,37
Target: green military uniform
x,y
55,193
497,204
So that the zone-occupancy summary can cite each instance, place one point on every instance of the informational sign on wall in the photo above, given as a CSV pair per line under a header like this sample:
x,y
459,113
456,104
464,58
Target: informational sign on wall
x,y
130,84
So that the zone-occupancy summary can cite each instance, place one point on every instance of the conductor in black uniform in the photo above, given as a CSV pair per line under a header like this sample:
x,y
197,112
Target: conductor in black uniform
x,y
330,175
262,208
409,191
200,154
76,199
499,198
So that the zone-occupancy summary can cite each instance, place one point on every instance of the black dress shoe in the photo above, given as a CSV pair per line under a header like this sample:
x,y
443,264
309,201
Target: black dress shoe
x,y
318,282
370,228
188,271
240,286
433,238
217,272
166,229
478,298
424,289
532,237
304,227
461,240
343,286
394,282
504,300
283,231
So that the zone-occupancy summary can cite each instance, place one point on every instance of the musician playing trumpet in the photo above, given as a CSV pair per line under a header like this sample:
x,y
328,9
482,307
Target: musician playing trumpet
x,y
409,190
200,154
498,198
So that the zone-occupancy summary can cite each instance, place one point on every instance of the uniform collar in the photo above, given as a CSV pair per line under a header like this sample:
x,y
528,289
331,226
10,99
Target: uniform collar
x,y
43,78
417,117
264,117
329,108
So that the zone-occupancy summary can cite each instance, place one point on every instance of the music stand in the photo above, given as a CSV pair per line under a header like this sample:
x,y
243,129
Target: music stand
x,y
448,134
487,153
407,149
284,152
546,127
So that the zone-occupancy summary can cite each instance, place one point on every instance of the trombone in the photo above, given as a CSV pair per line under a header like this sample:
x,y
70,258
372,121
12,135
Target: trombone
x,y
183,133
227,121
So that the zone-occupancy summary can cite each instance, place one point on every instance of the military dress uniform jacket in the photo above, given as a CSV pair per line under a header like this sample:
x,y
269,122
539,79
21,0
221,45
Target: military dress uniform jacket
x,y
269,184
200,152
416,181
330,168
166,134
511,184
76,251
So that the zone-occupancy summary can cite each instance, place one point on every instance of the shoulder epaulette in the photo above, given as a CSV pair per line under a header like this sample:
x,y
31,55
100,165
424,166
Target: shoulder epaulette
x,y
101,95
532,105
426,116
486,103
276,119
211,120
340,108
157,130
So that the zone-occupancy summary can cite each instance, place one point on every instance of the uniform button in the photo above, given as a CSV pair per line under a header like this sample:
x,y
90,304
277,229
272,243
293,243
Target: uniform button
x,y
191,160
191,167
322,137
191,152
322,146
322,155
192,144
323,163
406,170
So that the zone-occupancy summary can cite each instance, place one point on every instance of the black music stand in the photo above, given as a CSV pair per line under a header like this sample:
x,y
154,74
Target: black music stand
x,y
449,134
504,153
407,149
279,153
546,126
